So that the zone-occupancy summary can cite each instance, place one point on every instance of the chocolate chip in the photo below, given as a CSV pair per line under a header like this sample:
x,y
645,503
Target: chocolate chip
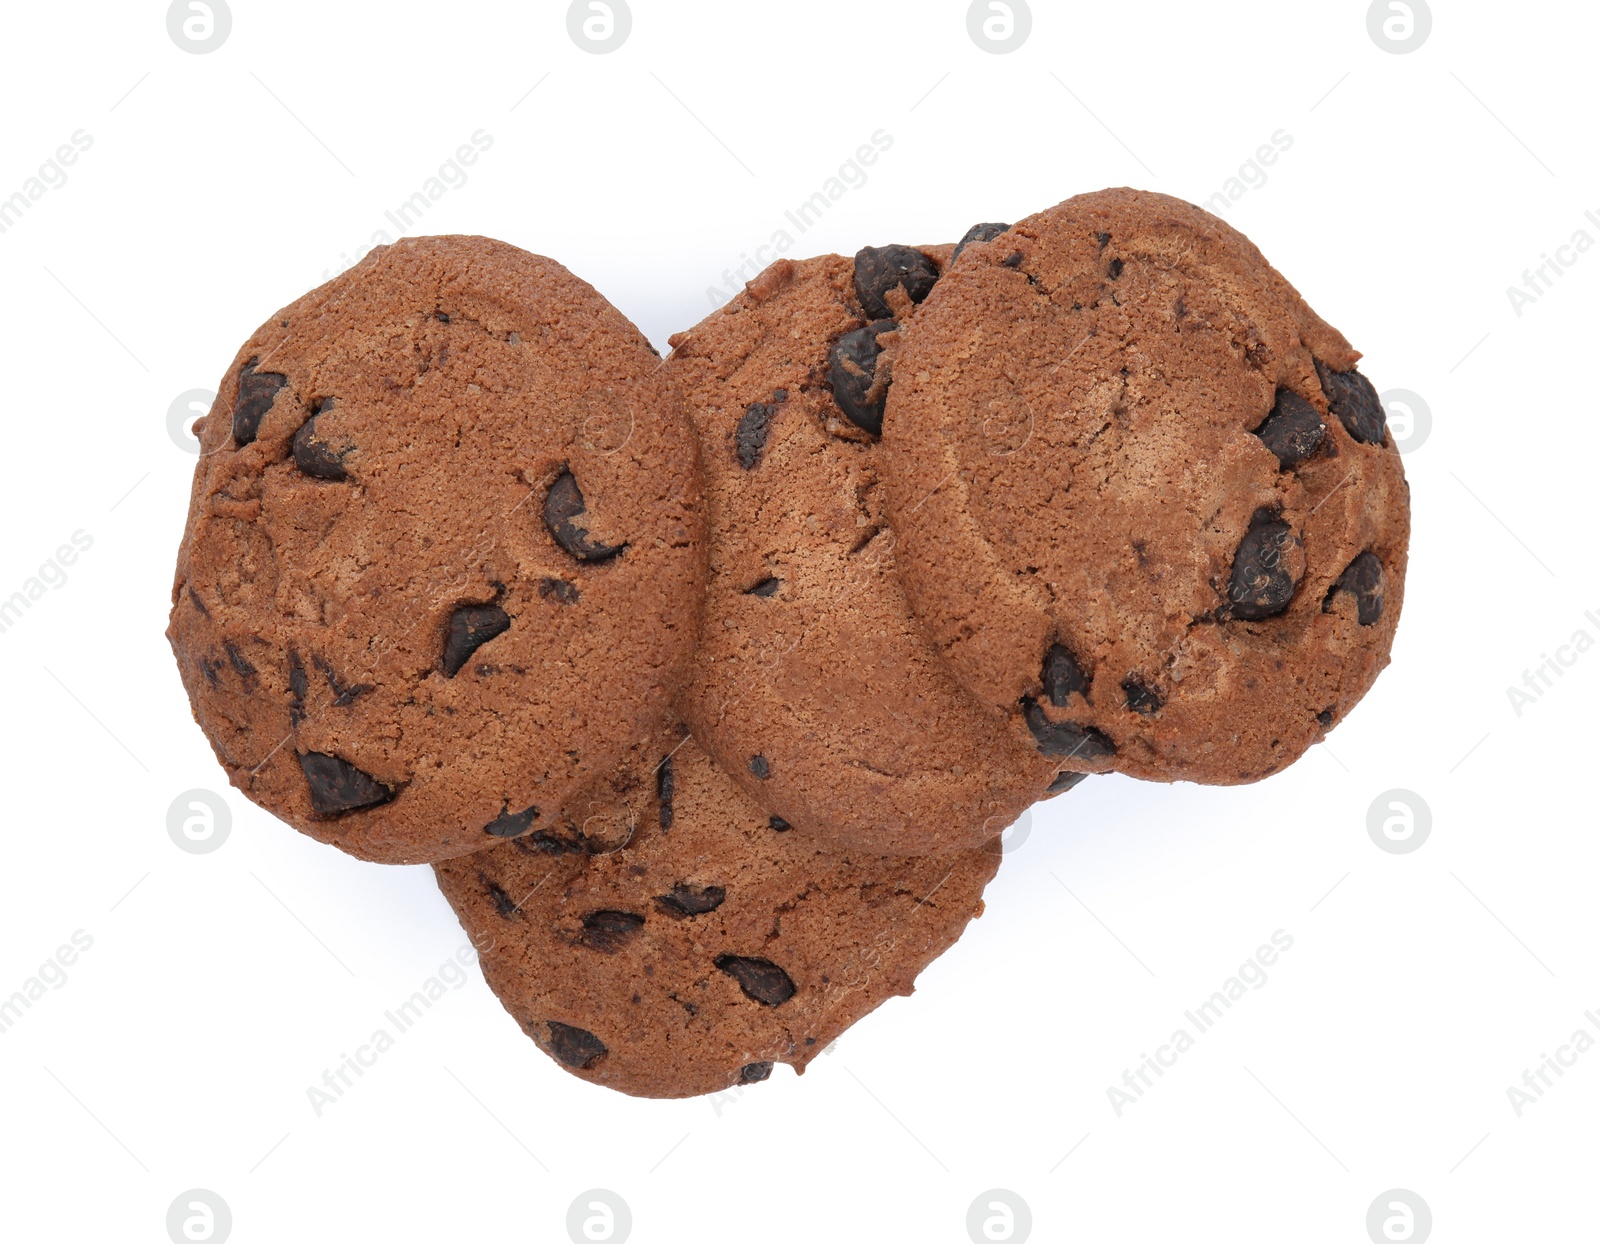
x,y
256,393
549,842
442,316
337,786
343,695
199,604
1294,431
760,767
1260,584
1062,677
562,506
664,786
315,456
573,1046
777,824
780,395
1103,239
978,233
509,824
692,900
1114,268
502,900
880,268
471,626
1061,739
762,980
1325,718
559,590
607,930
750,438
243,668
852,373
1064,781
1013,260
1363,579
1353,399
212,671
754,1073
297,690
767,587
1141,698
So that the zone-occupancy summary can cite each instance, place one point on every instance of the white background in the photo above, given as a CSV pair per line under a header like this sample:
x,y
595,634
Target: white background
x,y
1420,986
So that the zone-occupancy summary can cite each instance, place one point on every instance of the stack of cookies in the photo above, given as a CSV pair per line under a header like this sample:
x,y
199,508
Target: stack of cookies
x,y
708,684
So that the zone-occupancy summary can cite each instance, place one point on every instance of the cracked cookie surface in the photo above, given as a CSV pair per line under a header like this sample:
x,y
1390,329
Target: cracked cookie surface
x,y
813,684
444,556
1145,503
711,943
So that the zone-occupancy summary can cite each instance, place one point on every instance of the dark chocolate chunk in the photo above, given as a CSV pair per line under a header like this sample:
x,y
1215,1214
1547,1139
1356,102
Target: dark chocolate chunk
x,y
1294,431
241,666
1114,268
343,695
212,671
559,590
1062,677
1325,718
777,824
573,1046
762,980
692,900
502,900
509,824
880,268
1064,781
1141,697
549,842
750,438
852,372
199,604
297,689
608,930
1363,579
767,587
987,232
1260,584
562,506
1064,740
315,456
1353,399
780,395
1013,260
664,786
754,1073
256,393
471,626
337,786
1103,239
760,767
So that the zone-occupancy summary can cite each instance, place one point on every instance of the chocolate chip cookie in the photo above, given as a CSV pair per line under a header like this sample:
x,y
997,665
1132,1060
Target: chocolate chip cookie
x,y
1146,504
813,684
444,556
691,940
